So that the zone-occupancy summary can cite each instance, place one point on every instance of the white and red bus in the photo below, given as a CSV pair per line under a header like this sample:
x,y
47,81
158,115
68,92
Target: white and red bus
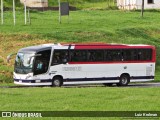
x,y
57,65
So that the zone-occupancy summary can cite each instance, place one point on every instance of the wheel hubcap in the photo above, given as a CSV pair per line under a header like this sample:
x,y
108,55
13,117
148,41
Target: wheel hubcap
x,y
56,82
124,80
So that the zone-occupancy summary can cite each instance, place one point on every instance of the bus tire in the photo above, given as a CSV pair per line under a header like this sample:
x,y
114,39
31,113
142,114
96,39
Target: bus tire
x,y
57,82
108,84
124,80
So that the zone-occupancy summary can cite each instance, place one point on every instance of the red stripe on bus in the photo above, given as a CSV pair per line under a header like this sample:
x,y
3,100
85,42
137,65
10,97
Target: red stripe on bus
x,y
111,62
81,47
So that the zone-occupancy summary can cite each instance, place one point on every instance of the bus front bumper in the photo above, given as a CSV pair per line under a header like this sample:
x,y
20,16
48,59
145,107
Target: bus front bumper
x,y
32,82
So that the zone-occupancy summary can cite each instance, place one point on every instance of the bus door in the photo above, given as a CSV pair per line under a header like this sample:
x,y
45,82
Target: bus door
x,y
42,63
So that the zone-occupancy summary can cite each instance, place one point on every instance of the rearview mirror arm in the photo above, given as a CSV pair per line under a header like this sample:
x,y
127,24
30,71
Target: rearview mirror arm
x,y
9,57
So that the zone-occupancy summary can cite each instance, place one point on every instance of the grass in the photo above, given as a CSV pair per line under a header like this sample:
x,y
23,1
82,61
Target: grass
x,y
80,99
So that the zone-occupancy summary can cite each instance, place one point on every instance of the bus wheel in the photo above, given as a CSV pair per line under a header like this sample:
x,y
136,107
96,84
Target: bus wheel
x,y
57,82
108,84
124,80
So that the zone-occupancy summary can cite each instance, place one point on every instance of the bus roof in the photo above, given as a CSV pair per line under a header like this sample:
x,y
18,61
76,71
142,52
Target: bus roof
x,y
34,49
111,46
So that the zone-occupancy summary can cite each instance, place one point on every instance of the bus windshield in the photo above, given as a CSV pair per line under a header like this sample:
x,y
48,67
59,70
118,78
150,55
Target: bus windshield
x,y
21,63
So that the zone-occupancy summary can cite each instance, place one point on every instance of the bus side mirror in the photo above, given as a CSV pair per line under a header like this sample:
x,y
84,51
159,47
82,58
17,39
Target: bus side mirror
x,y
29,59
9,57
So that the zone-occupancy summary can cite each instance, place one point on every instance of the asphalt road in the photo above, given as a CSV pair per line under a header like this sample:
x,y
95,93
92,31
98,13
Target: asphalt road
x,y
144,85
139,85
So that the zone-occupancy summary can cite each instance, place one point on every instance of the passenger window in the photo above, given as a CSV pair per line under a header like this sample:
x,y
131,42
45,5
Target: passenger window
x,y
137,54
113,55
129,54
59,57
78,56
145,54
95,55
